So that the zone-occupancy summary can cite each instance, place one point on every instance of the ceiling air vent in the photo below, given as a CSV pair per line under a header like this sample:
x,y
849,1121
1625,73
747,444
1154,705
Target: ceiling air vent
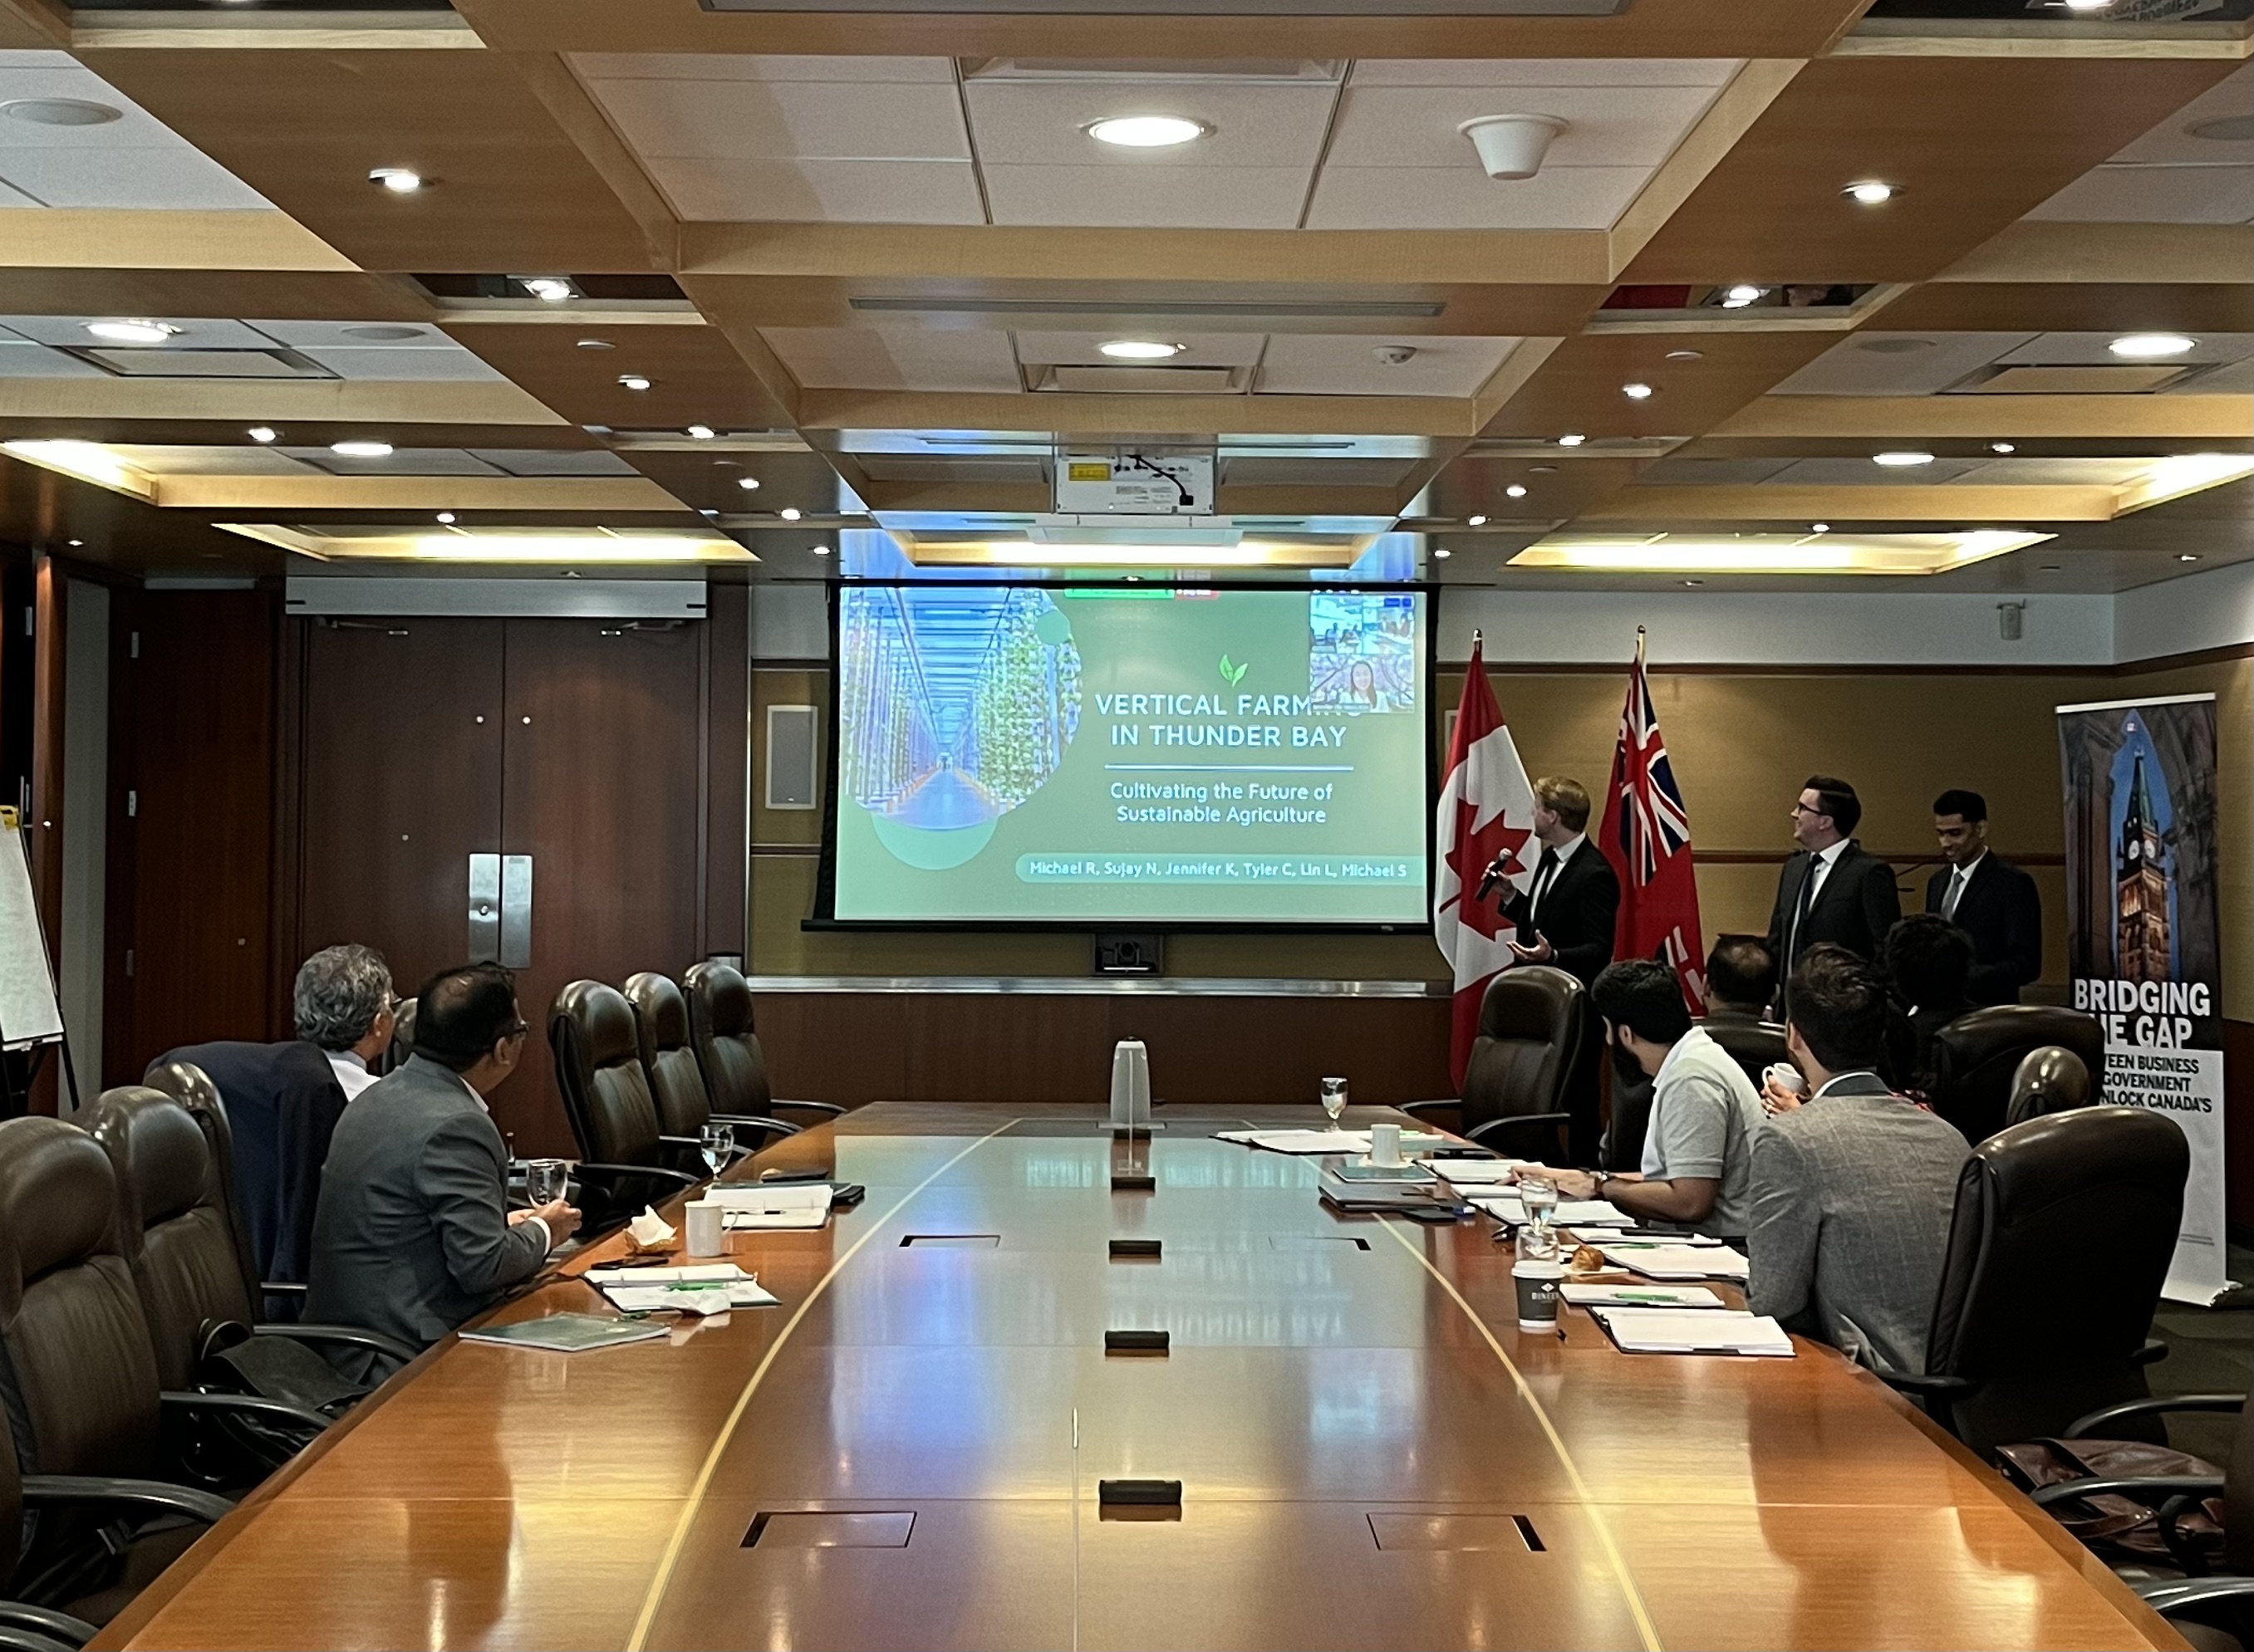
x,y
1148,381
2096,380
175,362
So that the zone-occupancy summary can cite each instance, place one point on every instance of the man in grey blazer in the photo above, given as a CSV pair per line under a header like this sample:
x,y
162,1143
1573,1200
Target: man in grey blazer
x,y
413,1235
1854,1188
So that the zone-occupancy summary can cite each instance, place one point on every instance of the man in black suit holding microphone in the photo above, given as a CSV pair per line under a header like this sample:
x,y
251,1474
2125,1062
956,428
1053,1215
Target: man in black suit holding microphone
x,y
1986,897
1565,918
1831,891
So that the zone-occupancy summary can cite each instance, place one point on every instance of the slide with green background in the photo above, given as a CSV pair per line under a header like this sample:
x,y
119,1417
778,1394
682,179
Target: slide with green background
x,y
1013,754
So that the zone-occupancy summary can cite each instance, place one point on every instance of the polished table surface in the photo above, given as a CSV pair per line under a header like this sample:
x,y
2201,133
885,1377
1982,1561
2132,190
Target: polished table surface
x,y
1372,1454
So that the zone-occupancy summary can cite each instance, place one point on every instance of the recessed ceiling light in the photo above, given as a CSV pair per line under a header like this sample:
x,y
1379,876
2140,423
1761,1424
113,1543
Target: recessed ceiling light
x,y
1146,131
2088,5
1694,581
74,544
1515,491
704,512
2229,128
791,513
1541,470
2186,556
380,334
2151,346
821,550
1441,553
1138,349
748,482
132,332
1902,460
2047,568
1870,192
1571,439
263,433
1686,355
2003,446
1475,521
700,432
1819,527
445,516
550,289
634,381
1638,392
59,112
398,179
361,449
596,343
1743,293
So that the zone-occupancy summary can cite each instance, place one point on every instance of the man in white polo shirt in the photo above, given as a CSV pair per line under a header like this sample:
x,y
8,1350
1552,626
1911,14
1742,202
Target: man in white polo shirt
x,y
1697,1152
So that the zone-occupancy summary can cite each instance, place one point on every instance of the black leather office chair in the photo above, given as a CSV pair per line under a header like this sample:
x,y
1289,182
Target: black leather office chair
x,y
25,1627
728,1051
91,1423
180,1236
628,1161
2049,1080
1530,1037
1976,1057
676,1080
2060,1240
1755,1046
282,1102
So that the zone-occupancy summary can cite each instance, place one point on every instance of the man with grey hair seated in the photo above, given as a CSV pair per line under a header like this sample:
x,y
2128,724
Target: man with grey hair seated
x,y
343,1004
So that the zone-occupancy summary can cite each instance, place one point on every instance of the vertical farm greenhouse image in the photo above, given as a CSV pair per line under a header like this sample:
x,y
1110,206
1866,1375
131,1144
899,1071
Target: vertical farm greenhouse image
x,y
962,703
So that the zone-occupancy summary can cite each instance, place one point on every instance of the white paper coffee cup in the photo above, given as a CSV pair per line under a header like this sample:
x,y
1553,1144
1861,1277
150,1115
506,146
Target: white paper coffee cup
x,y
706,1236
1537,1283
1385,1144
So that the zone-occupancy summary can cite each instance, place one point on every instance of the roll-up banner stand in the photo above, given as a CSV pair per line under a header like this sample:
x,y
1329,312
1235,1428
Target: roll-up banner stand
x,y
2143,931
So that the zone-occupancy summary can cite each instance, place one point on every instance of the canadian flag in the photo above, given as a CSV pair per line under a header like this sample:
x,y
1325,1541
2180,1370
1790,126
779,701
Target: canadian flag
x,y
1486,810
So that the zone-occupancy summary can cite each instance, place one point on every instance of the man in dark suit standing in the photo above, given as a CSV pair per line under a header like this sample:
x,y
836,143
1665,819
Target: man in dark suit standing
x,y
1831,891
1986,897
1565,918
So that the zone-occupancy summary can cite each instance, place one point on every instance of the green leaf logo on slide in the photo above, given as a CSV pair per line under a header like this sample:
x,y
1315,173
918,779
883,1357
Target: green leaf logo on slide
x,y
1232,675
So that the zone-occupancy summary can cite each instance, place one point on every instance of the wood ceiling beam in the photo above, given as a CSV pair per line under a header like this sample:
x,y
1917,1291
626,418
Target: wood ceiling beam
x,y
334,493
1954,503
63,237
1103,417
123,401
2222,418
2036,250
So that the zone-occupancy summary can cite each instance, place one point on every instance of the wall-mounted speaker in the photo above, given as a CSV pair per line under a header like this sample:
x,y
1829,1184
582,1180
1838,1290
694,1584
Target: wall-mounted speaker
x,y
792,732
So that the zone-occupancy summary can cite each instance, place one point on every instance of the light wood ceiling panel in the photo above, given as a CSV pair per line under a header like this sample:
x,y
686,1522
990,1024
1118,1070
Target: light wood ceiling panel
x,y
1973,143
2120,307
1579,388
695,375
510,190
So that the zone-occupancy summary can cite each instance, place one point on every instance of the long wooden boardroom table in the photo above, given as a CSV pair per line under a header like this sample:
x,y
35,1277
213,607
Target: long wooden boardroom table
x,y
906,1451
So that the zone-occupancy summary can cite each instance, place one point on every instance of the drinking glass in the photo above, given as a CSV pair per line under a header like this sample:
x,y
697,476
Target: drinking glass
x,y
1335,1099
545,1181
1540,1199
715,1142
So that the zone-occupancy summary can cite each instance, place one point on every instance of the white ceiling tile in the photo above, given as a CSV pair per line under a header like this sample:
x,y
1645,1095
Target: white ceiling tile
x,y
1465,198
729,65
1898,364
822,192
2172,141
22,359
1416,126
402,366
192,334
2093,349
187,460
740,120
2155,195
554,461
1833,473
2236,378
341,335
1314,364
1151,197
1040,123
405,462
181,178
899,358
2069,472
1618,71
1083,349
12,197
1709,473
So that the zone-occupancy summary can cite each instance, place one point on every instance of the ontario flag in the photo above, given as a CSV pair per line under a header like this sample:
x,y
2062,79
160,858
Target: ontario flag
x,y
1646,835
1486,810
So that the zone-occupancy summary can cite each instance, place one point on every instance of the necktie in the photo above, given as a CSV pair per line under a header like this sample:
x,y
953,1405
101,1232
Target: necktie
x,y
1800,912
1545,872
1957,880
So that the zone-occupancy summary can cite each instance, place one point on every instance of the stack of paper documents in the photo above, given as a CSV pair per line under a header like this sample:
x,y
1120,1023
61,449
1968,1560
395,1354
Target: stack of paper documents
x,y
1317,1141
1593,1294
1479,1173
712,1288
1666,1259
1591,1213
771,1204
1660,1330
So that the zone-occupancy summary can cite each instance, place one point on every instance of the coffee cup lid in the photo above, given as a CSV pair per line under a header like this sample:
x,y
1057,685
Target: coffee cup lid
x,y
1536,1268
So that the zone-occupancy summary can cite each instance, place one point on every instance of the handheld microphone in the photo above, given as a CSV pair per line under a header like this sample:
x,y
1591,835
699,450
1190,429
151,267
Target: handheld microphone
x,y
1493,876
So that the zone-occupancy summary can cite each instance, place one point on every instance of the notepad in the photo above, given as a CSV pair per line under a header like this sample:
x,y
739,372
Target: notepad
x,y
1595,1213
1660,1330
1670,1296
1642,1236
567,1333
751,1205
693,1274
1667,1260
1484,1173
1322,1142
716,1296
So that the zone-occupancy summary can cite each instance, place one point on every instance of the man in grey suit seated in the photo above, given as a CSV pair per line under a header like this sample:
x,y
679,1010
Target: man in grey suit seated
x,y
1853,1185
413,1235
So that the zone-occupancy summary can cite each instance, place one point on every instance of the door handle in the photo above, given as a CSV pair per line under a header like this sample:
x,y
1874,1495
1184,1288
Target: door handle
x,y
515,911
484,946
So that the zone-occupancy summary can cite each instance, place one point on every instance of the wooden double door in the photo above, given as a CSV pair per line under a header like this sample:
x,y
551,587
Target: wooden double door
x,y
577,746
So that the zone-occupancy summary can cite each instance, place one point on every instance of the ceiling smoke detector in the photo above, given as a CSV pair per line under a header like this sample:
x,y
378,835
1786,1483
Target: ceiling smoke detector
x,y
1396,355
